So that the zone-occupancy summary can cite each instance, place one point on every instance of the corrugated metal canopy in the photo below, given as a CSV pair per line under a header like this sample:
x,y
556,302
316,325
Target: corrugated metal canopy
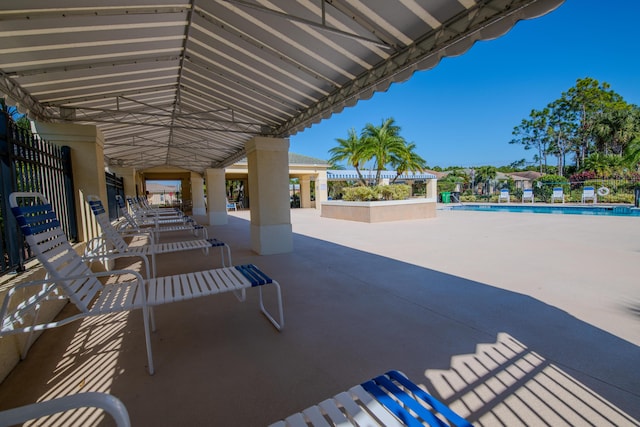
x,y
187,84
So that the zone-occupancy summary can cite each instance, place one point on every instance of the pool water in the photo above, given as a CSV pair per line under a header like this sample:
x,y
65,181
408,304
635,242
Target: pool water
x,y
550,209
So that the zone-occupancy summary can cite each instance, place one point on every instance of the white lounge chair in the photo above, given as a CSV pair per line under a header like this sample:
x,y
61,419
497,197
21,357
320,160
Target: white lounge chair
x,y
231,205
110,235
504,195
557,194
69,277
108,403
527,194
155,226
155,216
389,400
589,193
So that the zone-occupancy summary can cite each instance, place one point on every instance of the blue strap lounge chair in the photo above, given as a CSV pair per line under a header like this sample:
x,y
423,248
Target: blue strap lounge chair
x,y
111,236
589,193
504,195
70,278
155,226
527,194
557,194
389,400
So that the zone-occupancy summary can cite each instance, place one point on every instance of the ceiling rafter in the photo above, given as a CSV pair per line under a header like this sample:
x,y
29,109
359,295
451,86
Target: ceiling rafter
x,y
204,77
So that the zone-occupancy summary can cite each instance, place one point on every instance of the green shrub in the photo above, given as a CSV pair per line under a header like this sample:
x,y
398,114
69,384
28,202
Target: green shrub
x,y
357,193
378,192
543,186
395,192
617,198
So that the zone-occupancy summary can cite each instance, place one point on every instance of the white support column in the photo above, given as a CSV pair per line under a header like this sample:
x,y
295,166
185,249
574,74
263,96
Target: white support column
x,y
216,197
432,188
305,191
322,189
268,160
87,160
197,194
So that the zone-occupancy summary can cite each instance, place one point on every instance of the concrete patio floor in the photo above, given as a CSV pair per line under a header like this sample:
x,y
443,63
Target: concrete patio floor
x,y
510,318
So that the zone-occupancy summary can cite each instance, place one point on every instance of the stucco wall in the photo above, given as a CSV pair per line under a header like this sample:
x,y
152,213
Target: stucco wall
x,y
379,211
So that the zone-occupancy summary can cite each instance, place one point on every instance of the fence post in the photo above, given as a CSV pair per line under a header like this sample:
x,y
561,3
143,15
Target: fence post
x,y
7,178
69,191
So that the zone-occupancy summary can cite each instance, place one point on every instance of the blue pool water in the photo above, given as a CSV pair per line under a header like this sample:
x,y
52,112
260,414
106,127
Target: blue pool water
x,y
550,209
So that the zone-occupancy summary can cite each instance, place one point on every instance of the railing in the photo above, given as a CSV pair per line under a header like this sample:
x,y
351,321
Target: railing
x,y
115,186
28,163
623,191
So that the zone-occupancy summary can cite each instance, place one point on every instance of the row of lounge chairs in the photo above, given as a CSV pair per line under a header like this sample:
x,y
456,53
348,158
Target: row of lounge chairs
x,y
390,399
70,276
588,194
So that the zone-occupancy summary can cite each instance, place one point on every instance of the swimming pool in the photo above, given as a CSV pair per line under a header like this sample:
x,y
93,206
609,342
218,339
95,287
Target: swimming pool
x,y
550,209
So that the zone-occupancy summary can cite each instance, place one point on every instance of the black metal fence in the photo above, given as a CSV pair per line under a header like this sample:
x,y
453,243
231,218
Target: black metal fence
x,y
115,186
28,163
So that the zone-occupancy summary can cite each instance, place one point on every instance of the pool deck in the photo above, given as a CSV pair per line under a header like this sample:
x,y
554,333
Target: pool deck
x,y
510,318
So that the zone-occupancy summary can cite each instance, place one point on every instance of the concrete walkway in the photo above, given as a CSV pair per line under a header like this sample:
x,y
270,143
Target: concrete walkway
x,y
512,319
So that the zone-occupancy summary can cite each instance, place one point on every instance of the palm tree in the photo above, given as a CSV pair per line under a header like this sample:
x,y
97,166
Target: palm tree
x,y
382,143
485,174
408,160
632,154
614,129
605,166
351,151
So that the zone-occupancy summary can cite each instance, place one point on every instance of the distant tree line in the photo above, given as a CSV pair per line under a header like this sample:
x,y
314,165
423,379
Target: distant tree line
x,y
590,128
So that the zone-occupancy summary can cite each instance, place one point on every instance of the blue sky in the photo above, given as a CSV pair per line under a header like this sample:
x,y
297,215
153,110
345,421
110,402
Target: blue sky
x,y
463,111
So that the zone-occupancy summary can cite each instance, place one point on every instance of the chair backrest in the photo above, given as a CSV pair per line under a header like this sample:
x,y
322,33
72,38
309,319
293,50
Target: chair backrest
x,y
557,191
108,230
527,192
125,213
47,240
134,205
588,191
504,192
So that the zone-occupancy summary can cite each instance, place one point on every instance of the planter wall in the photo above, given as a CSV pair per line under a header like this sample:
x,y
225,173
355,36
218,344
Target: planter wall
x,y
394,210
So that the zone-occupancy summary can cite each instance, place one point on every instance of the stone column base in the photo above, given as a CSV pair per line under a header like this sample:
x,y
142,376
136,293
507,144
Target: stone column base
x,y
218,218
271,239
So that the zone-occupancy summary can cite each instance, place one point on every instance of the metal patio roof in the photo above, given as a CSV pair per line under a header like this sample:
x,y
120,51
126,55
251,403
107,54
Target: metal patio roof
x,y
348,175
186,84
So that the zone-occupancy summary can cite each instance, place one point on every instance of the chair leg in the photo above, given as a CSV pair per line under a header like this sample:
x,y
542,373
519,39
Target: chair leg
x,y
153,264
222,248
278,324
147,338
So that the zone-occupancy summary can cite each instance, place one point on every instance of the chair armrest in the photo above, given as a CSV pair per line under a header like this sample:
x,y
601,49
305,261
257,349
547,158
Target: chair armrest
x,y
107,402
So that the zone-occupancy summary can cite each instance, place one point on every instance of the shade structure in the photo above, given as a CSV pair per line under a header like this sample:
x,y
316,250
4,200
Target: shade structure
x,y
350,175
186,84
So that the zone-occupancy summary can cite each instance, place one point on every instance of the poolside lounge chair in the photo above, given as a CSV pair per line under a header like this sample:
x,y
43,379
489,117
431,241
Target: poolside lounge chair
x,y
231,206
558,194
144,204
157,217
110,404
155,226
589,193
70,278
389,400
110,235
527,194
504,195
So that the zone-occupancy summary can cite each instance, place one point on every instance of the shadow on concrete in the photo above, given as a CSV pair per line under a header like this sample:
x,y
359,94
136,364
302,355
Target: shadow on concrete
x,y
350,315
